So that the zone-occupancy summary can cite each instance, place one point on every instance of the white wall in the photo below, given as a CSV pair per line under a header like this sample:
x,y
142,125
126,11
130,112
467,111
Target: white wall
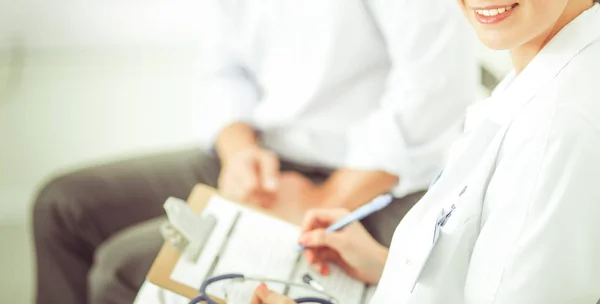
x,y
94,80
76,23
99,80
74,107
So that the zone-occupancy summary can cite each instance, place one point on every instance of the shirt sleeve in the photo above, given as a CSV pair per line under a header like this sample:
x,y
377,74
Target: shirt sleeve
x,y
540,240
432,81
227,87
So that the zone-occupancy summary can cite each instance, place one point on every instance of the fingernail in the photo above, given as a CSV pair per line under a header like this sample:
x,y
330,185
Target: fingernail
x,y
324,270
261,288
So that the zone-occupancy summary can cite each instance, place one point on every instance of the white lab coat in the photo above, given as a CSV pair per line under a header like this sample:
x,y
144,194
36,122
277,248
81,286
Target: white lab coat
x,y
525,228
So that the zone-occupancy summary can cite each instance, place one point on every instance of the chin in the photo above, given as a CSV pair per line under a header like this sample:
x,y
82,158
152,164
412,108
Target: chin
x,y
496,41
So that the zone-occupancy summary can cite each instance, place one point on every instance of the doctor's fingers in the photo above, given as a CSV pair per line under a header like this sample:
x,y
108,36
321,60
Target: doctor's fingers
x,y
321,218
339,241
320,258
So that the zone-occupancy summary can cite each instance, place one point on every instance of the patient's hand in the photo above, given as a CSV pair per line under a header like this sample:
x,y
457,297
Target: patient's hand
x,y
251,175
295,190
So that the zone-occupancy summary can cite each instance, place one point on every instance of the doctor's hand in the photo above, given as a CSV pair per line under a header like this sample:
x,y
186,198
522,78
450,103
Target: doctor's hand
x,y
262,295
352,248
251,175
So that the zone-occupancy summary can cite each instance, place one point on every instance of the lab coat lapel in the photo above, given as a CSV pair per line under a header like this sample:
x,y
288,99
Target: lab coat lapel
x,y
506,103
463,188
551,60
477,144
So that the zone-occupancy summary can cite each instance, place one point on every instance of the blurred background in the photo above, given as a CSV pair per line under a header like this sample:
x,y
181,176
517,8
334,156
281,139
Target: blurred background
x,y
83,82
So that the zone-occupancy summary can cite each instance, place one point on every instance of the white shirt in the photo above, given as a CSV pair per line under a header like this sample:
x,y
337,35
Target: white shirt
x,y
376,84
524,186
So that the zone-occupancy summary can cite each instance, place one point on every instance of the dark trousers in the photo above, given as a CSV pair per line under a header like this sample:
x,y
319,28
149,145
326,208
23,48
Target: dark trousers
x,y
96,230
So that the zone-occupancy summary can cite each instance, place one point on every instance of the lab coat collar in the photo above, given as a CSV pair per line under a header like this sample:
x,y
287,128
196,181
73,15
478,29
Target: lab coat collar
x,y
518,90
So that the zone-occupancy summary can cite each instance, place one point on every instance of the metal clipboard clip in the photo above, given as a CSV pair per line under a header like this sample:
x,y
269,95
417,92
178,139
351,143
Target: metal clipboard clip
x,y
186,231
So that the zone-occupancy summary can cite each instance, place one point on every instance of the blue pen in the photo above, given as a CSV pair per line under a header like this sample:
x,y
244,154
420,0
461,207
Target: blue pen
x,y
373,206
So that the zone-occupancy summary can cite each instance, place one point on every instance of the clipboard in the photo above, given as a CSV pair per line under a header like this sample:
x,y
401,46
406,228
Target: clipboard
x,y
163,265
168,256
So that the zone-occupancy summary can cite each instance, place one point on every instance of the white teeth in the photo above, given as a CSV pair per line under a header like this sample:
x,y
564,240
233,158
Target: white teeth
x,y
494,12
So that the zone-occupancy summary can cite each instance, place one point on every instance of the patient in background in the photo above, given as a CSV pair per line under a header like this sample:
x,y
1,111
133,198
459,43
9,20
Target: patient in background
x,y
325,103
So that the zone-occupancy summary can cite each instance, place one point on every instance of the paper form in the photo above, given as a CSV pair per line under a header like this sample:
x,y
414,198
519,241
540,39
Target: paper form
x,y
345,289
247,242
259,246
193,274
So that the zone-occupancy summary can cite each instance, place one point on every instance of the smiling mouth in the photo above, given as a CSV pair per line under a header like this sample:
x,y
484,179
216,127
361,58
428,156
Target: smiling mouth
x,y
495,11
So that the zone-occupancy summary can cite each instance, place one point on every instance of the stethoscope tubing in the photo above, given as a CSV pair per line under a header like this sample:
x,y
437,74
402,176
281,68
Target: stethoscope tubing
x,y
204,296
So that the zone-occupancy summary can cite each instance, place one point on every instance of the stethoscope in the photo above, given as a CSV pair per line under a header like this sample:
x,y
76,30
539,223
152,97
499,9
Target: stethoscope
x,y
204,297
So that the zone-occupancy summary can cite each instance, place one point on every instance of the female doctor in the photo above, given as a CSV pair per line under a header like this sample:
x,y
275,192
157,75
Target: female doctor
x,y
515,216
